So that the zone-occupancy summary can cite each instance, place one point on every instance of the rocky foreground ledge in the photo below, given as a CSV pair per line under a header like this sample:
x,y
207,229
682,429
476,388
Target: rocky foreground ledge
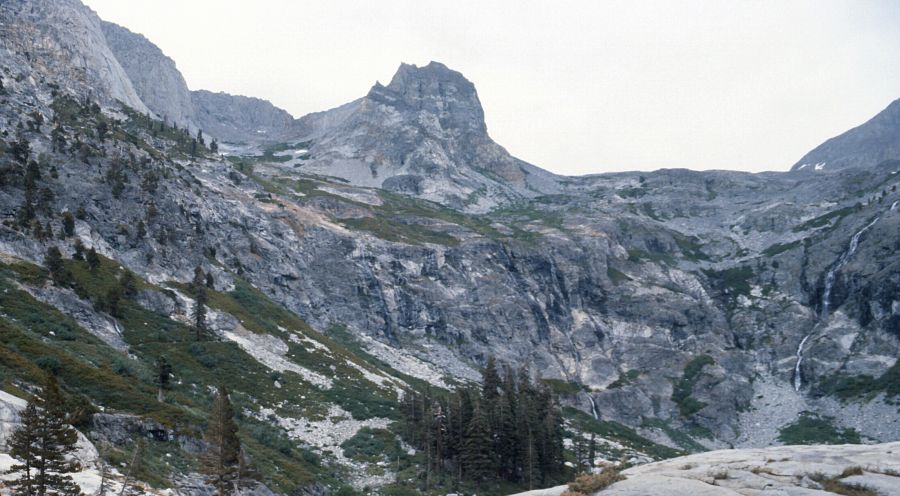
x,y
864,470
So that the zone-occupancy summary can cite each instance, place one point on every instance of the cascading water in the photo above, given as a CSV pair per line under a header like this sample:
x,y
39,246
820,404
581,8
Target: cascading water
x,y
798,381
826,293
593,407
845,257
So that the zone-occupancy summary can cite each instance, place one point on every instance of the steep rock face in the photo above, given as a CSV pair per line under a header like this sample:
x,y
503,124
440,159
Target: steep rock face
x,y
873,142
162,88
64,39
674,296
423,135
155,78
239,119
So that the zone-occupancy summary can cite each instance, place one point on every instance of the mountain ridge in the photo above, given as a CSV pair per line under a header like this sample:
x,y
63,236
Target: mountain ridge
x,y
874,141
673,307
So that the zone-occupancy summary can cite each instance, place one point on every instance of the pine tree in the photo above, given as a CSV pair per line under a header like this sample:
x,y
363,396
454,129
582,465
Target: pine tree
x,y
222,460
22,448
102,130
41,445
508,437
78,254
128,286
198,288
163,377
476,449
490,381
93,259
439,434
21,150
26,212
58,272
592,451
68,224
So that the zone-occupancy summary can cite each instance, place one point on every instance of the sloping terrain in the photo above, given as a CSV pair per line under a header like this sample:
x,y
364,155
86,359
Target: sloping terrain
x,y
869,144
390,244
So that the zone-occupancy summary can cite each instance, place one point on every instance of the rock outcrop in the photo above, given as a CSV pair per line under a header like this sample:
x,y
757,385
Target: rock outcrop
x,y
422,135
240,119
64,40
806,470
155,77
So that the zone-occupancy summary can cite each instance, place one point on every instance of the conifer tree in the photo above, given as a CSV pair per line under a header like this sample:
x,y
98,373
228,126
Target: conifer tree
x,y
78,254
476,448
58,272
41,444
128,286
93,259
222,460
22,448
21,150
26,212
163,377
68,224
102,130
198,288
490,381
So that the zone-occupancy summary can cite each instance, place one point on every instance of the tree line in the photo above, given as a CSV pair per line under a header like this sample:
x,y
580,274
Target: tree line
x,y
508,429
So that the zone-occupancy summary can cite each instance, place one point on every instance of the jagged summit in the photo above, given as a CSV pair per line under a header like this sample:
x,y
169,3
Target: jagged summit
x,y
424,135
436,89
871,143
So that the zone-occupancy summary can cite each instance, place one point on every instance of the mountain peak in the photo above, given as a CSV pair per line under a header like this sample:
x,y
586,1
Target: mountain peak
x,y
866,145
436,89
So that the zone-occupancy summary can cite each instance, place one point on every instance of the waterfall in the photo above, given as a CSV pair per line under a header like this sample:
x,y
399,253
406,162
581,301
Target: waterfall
x,y
845,257
798,381
826,293
894,205
593,407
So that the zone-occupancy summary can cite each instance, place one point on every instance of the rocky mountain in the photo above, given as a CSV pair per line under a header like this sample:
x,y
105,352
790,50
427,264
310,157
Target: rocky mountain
x,y
162,88
390,244
422,135
154,76
240,119
65,38
869,144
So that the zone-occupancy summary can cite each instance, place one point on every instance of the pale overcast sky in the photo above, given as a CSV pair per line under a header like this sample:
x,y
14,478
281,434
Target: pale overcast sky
x,y
575,87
